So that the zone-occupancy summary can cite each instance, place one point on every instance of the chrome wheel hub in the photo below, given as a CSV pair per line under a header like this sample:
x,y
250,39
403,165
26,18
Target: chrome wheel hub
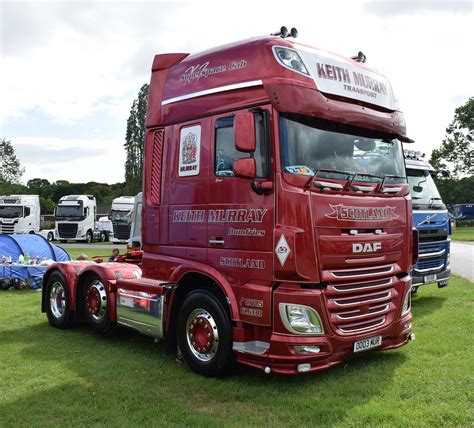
x,y
202,334
96,300
57,300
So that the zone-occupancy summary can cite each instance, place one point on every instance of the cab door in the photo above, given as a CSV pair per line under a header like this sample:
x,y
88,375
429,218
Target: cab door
x,y
241,214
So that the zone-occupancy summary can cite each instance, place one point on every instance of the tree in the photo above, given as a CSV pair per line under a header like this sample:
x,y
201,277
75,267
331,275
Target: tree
x,y
134,142
10,167
457,150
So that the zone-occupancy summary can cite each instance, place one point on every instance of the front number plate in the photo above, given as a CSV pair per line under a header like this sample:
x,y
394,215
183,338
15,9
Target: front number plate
x,y
366,344
430,278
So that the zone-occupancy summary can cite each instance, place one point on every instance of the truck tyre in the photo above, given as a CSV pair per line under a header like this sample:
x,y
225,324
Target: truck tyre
x,y
96,304
89,237
204,334
103,237
57,302
50,236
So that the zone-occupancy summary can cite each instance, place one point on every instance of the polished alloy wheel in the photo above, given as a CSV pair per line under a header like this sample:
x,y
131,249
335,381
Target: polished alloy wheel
x,y
202,335
57,300
96,301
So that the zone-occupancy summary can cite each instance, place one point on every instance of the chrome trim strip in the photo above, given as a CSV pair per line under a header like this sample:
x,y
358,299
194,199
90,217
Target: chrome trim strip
x,y
391,190
368,287
390,269
327,185
428,269
385,307
387,296
256,347
212,91
352,330
436,253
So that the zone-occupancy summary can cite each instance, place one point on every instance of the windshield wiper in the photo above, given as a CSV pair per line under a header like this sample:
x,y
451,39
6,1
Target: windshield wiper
x,y
328,184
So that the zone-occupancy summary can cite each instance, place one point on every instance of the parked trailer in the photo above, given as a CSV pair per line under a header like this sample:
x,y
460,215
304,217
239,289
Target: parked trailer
x,y
277,227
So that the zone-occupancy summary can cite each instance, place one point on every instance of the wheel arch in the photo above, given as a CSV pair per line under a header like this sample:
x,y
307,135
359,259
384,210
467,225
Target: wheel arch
x,y
188,282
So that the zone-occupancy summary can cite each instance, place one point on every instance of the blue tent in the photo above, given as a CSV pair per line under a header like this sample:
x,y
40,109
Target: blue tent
x,y
36,246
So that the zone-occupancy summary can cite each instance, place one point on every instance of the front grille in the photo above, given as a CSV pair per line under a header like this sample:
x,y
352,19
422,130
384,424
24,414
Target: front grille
x,y
360,306
121,231
432,235
7,229
67,230
430,264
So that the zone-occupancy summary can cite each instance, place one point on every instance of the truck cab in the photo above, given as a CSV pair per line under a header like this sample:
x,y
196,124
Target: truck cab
x,y
75,218
276,221
19,214
120,215
135,240
432,220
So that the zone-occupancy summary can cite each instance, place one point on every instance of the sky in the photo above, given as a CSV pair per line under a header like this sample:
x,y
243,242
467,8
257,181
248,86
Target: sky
x,y
69,70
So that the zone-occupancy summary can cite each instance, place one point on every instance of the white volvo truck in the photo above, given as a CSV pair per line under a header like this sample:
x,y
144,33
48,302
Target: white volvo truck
x,y
120,215
75,219
19,214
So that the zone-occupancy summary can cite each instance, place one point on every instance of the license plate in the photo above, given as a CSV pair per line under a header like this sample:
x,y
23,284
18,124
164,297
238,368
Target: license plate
x,y
429,278
366,344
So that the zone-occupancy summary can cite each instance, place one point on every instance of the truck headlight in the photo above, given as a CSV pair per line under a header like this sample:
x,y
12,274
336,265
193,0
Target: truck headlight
x,y
300,319
79,231
406,303
289,58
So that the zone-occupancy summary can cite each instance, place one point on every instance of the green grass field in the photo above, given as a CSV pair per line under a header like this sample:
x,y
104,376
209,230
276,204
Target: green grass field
x,y
463,233
76,377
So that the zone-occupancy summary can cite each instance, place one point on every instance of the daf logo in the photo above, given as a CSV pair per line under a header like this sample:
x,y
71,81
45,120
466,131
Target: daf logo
x,y
366,247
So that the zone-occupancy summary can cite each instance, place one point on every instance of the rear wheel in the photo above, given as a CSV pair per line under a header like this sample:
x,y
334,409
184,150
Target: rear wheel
x,y
57,302
89,237
96,304
103,237
204,334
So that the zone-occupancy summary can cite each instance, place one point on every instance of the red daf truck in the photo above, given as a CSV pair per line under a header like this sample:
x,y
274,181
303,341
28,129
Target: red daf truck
x,y
277,227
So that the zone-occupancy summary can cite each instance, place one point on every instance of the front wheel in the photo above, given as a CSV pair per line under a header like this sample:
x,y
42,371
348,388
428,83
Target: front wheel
x,y
89,237
96,304
57,302
204,334
50,236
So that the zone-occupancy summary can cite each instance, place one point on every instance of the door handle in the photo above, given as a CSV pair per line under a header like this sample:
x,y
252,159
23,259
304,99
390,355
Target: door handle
x,y
216,241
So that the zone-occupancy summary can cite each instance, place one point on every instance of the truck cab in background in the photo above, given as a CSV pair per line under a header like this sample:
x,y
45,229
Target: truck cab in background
x,y
432,220
19,214
75,218
120,215
135,239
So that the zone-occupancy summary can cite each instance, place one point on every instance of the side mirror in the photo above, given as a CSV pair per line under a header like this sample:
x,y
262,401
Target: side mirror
x,y
244,132
245,168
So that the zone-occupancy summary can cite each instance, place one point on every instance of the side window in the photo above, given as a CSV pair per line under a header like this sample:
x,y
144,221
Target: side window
x,y
226,154
27,211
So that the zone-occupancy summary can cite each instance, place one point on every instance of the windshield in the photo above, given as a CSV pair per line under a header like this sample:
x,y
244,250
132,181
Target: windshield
x,y
423,189
120,216
73,212
309,145
7,211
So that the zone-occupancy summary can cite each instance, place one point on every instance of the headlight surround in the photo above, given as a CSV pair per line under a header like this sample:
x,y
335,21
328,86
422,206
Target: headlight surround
x,y
301,319
406,303
289,58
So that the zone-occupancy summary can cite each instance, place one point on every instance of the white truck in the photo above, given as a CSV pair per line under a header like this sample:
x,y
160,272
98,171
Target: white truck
x,y
120,215
19,214
135,240
75,219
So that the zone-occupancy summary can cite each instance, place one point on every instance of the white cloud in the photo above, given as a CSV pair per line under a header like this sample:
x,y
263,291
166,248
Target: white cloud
x,y
75,160
69,60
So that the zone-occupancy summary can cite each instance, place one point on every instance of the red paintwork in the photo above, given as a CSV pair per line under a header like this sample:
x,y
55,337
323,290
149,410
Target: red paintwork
x,y
321,270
